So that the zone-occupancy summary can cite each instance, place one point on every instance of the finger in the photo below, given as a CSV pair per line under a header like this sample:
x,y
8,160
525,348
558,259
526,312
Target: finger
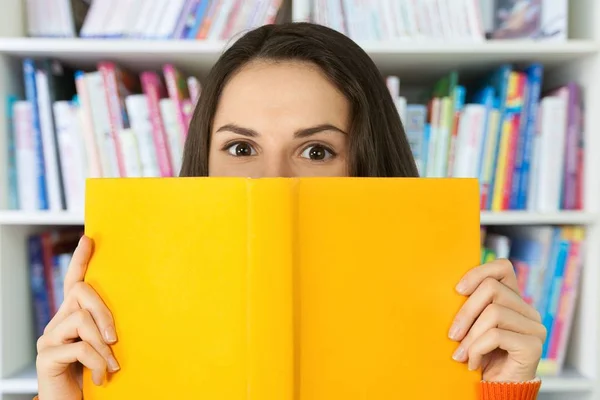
x,y
489,292
79,325
78,264
497,316
524,349
83,296
54,360
501,270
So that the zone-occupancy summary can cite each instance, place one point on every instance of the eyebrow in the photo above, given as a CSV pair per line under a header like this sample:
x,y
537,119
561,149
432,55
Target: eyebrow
x,y
302,133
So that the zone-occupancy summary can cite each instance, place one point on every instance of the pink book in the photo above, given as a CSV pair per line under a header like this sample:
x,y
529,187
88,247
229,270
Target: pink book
x,y
510,161
574,131
568,296
154,90
195,88
119,84
178,91
91,147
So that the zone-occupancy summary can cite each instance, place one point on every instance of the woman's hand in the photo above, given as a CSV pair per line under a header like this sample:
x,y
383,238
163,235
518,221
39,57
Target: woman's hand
x,y
79,334
496,329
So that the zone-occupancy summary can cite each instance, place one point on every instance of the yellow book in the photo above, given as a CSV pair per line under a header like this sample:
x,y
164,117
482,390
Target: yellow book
x,y
283,289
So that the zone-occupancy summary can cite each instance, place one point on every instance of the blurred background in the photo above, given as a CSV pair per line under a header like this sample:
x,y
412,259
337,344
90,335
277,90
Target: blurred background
x,y
501,90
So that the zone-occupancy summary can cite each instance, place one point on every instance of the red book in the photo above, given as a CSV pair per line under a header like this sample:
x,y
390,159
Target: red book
x,y
119,84
154,89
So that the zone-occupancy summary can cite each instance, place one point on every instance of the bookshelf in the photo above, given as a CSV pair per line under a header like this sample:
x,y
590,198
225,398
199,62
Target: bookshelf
x,y
578,59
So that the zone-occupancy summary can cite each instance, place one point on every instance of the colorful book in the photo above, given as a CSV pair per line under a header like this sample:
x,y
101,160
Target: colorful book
x,y
12,178
178,92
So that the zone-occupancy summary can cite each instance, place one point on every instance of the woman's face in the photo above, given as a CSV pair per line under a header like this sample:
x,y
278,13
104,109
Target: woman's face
x,y
280,119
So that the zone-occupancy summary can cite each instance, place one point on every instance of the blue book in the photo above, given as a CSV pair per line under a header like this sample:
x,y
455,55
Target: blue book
x,y
520,183
31,96
484,97
13,192
39,287
554,288
535,74
425,150
204,8
499,81
185,18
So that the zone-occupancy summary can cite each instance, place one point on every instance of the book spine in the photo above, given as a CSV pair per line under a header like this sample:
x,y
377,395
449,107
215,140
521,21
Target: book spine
x,y
534,77
53,179
129,145
13,192
580,160
87,128
192,29
569,191
184,18
137,108
41,302
31,96
194,88
515,99
501,167
209,17
151,86
177,90
275,5
171,17
26,155
492,138
188,112
555,289
270,340
47,257
168,112
510,162
109,76
568,299
101,119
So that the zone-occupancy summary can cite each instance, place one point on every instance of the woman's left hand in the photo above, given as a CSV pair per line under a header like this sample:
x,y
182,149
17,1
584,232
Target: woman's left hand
x,y
497,330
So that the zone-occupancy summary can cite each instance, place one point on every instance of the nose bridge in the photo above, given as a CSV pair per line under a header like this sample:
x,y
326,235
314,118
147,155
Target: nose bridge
x,y
277,166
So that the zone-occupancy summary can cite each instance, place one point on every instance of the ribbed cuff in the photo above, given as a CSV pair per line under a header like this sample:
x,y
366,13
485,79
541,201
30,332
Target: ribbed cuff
x,y
510,391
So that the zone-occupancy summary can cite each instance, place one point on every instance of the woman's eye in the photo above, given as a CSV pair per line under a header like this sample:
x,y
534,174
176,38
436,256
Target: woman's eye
x,y
241,150
317,152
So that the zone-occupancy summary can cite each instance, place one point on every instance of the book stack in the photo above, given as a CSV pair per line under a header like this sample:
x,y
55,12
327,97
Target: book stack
x,y
449,20
49,256
548,263
149,19
105,123
525,148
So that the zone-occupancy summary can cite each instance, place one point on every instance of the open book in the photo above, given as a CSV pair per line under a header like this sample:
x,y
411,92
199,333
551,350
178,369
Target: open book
x,y
283,289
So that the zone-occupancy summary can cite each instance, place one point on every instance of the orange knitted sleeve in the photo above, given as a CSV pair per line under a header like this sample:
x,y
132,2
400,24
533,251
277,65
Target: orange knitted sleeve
x,y
510,391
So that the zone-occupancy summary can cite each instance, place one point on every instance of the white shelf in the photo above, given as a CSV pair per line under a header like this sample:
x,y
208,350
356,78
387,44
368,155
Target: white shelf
x,y
47,218
533,218
31,218
427,58
24,382
571,381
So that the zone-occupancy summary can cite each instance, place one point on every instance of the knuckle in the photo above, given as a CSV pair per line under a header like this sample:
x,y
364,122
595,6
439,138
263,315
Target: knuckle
x,y
82,316
494,313
490,285
41,343
85,350
543,333
496,335
538,317
41,362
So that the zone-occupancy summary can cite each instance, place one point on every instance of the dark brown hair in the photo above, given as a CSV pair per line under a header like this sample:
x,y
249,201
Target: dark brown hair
x,y
378,146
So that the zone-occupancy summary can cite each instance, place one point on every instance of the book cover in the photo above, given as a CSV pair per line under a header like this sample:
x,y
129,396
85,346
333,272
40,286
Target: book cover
x,y
516,19
234,275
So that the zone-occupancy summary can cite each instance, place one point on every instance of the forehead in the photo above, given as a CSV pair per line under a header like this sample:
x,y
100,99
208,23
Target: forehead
x,y
265,94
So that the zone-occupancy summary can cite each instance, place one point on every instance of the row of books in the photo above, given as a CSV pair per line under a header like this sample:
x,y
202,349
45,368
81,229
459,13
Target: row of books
x,y
526,148
49,255
450,20
548,262
149,19
105,123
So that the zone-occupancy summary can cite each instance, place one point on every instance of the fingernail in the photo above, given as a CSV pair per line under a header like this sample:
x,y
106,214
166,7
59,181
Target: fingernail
x,y
110,335
80,240
459,354
113,365
470,367
98,378
461,287
454,331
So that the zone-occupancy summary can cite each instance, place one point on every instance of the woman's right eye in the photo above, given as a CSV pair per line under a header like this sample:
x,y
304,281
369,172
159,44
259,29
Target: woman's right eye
x,y
241,149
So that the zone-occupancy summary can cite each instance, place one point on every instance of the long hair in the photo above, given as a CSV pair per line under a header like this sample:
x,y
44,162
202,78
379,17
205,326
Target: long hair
x,y
378,146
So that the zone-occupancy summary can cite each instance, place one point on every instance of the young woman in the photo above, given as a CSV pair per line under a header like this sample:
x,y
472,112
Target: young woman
x,y
302,100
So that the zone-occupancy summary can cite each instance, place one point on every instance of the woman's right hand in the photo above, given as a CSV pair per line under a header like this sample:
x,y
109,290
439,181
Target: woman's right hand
x,y
79,334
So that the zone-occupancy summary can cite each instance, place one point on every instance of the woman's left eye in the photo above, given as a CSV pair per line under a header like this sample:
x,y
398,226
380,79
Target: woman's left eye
x,y
317,152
